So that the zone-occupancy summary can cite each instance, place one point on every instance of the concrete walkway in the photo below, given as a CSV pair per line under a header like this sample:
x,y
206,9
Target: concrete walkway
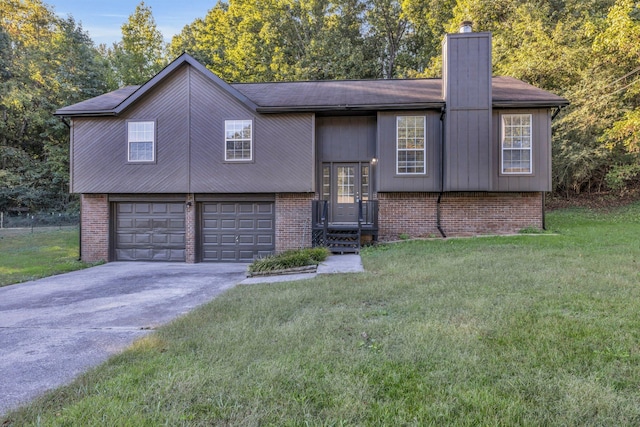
x,y
53,329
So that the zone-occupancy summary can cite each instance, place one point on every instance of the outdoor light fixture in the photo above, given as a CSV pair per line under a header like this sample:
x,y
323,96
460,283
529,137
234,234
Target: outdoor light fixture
x,y
374,161
466,27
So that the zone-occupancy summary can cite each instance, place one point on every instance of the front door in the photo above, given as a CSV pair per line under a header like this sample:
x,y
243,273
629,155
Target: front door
x,y
343,185
347,191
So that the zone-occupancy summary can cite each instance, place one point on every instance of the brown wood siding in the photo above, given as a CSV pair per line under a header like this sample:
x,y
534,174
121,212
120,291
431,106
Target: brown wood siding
x,y
540,180
346,139
467,155
385,170
189,111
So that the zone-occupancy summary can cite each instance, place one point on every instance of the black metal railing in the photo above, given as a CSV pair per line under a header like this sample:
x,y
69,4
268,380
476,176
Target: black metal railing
x,y
367,213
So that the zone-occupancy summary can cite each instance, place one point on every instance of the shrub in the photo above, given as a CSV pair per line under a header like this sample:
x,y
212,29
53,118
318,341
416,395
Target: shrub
x,y
290,259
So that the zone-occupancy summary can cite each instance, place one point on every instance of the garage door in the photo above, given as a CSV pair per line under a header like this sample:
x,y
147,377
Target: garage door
x,y
150,232
237,231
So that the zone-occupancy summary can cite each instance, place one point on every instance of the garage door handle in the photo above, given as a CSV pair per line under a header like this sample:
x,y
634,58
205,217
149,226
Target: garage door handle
x,y
237,239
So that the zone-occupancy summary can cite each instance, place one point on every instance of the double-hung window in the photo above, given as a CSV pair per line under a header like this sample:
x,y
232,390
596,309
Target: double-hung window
x,y
410,145
141,139
516,144
238,140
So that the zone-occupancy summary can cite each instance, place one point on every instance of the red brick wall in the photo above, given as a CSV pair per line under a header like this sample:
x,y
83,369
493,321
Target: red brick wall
x,y
461,214
413,214
95,227
293,220
490,213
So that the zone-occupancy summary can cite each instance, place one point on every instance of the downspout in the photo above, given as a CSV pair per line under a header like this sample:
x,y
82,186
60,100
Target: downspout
x,y
544,212
80,215
438,206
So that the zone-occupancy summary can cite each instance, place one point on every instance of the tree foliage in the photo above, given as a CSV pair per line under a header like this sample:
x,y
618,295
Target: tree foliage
x,y
585,50
142,52
46,62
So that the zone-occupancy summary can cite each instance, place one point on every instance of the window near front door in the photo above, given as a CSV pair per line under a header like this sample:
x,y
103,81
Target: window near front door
x,y
326,182
516,144
141,139
364,182
410,145
238,140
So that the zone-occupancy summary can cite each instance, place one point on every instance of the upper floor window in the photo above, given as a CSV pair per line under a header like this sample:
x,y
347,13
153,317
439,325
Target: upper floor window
x,y
410,144
238,140
516,144
141,138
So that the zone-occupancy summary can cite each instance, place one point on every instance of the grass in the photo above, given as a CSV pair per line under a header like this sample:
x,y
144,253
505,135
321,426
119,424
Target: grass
x,y
519,330
29,255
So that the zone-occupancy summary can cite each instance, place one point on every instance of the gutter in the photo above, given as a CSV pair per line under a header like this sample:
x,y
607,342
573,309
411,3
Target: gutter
x,y
438,206
349,107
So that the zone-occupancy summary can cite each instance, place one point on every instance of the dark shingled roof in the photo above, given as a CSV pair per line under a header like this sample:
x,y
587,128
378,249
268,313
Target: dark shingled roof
x,y
324,95
344,94
103,103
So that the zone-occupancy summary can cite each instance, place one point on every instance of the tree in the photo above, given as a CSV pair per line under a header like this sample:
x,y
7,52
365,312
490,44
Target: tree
x,y
45,63
142,52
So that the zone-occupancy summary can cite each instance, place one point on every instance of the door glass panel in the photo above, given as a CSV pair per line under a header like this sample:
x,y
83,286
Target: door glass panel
x,y
326,182
345,184
364,182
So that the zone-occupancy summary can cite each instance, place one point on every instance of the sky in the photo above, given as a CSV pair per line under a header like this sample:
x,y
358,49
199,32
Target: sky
x,y
102,19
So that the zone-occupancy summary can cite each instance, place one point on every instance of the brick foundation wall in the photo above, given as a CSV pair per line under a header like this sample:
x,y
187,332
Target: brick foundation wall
x,y
413,214
293,220
490,213
95,227
462,214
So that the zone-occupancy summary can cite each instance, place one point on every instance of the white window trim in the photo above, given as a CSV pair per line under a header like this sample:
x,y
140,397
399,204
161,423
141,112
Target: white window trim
x,y
503,149
250,159
153,141
424,148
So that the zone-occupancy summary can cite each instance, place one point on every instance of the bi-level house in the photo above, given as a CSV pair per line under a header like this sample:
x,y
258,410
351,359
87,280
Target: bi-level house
x,y
188,167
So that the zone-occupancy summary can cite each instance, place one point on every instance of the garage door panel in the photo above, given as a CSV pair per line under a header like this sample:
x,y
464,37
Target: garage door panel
x,y
229,208
236,231
142,208
264,240
246,208
228,239
150,232
125,208
264,224
246,240
248,224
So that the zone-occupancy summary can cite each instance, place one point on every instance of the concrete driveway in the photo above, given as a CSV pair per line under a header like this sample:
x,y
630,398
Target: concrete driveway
x,y
53,329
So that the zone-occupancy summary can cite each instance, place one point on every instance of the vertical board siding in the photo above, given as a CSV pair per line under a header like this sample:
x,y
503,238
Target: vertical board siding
x,y
346,139
540,180
468,162
385,171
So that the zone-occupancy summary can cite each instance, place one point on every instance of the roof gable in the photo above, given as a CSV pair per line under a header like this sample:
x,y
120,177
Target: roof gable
x,y
114,103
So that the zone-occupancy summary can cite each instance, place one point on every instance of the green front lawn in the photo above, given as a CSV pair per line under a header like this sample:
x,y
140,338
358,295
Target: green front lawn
x,y
523,330
28,255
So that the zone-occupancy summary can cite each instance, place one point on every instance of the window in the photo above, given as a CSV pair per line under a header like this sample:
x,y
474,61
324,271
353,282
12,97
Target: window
x,y
141,137
516,144
410,144
326,182
238,140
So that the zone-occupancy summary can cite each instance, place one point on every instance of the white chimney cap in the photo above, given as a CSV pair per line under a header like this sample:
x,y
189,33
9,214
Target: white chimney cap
x,y
466,27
